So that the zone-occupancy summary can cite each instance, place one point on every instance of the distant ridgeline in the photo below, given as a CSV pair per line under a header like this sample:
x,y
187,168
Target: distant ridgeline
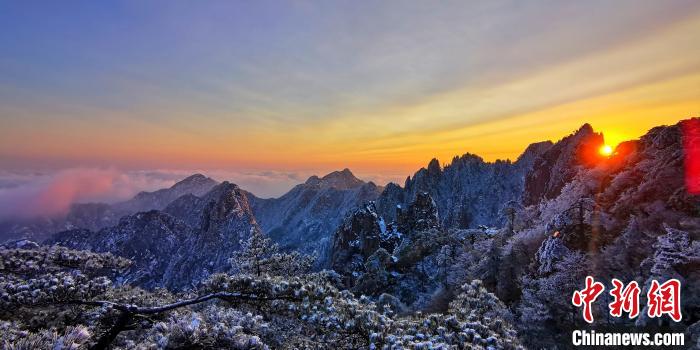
x,y
529,230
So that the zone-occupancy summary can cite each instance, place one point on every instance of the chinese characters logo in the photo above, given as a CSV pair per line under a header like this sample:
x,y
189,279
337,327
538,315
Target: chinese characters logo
x,y
662,299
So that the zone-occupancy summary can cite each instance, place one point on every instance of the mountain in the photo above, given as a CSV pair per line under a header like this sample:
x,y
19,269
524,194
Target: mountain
x,y
460,201
150,239
558,164
529,231
364,233
185,238
174,251
630,216
468,192
305,217
94,216
37,229
196,184
225,221
195,234
573,213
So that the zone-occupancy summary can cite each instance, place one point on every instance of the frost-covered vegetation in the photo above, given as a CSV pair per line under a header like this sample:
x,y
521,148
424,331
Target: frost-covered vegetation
x,y
56,298
628,217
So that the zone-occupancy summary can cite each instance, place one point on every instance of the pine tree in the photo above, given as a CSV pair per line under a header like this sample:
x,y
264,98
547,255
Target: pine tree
x,y
259,255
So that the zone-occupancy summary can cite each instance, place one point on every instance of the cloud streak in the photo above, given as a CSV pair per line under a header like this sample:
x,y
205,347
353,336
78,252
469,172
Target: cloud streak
x,y
380,88
25,195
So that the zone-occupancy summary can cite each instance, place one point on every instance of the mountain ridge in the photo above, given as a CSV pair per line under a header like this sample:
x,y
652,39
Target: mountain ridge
x,y
303,218
170,251
95,216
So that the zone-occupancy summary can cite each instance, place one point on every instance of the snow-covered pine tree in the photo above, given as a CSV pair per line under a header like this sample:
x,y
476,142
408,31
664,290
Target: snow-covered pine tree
x,y
259,255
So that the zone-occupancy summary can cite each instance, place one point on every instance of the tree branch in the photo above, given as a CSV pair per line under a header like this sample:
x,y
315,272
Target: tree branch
x,y
150,310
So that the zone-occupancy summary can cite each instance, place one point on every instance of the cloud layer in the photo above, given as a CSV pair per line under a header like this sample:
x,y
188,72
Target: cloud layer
x,y
50,194
25,195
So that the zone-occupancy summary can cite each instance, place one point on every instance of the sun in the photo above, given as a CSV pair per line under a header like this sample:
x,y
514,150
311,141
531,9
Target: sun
x,y
605,150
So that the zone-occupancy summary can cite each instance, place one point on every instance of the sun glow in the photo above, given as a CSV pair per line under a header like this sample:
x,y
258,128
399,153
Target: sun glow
x,y
605,150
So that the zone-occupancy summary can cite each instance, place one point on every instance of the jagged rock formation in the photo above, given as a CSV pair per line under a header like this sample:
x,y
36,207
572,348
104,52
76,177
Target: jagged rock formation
x,y
305,217
225,222
648,180
638,222
468,192
421,215
375,257
633,196
643,182
555,167
355,240
363,232
171,251
569,204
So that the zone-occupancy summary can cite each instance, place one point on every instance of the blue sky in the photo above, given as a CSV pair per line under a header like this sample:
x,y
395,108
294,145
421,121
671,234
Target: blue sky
x,y
380,87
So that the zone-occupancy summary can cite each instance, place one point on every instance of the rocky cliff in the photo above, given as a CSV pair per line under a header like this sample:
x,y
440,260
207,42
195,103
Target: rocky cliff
x,y
175,248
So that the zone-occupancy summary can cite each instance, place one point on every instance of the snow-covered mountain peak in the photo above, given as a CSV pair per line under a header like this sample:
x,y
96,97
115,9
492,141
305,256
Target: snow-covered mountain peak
x,y
341,180
195,180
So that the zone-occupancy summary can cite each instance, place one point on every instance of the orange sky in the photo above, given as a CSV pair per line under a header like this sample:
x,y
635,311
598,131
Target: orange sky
x,y
382,100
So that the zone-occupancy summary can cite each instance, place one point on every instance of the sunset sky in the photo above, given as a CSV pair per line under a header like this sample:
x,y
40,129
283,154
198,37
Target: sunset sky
x,y
287,87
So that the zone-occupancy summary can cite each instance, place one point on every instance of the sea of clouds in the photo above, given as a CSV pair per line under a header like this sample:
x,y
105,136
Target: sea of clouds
x,y
26,194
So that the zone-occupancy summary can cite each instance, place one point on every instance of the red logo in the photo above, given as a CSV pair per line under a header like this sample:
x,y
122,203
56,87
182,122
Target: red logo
x,y
624,299
665,299
587,296
662,299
